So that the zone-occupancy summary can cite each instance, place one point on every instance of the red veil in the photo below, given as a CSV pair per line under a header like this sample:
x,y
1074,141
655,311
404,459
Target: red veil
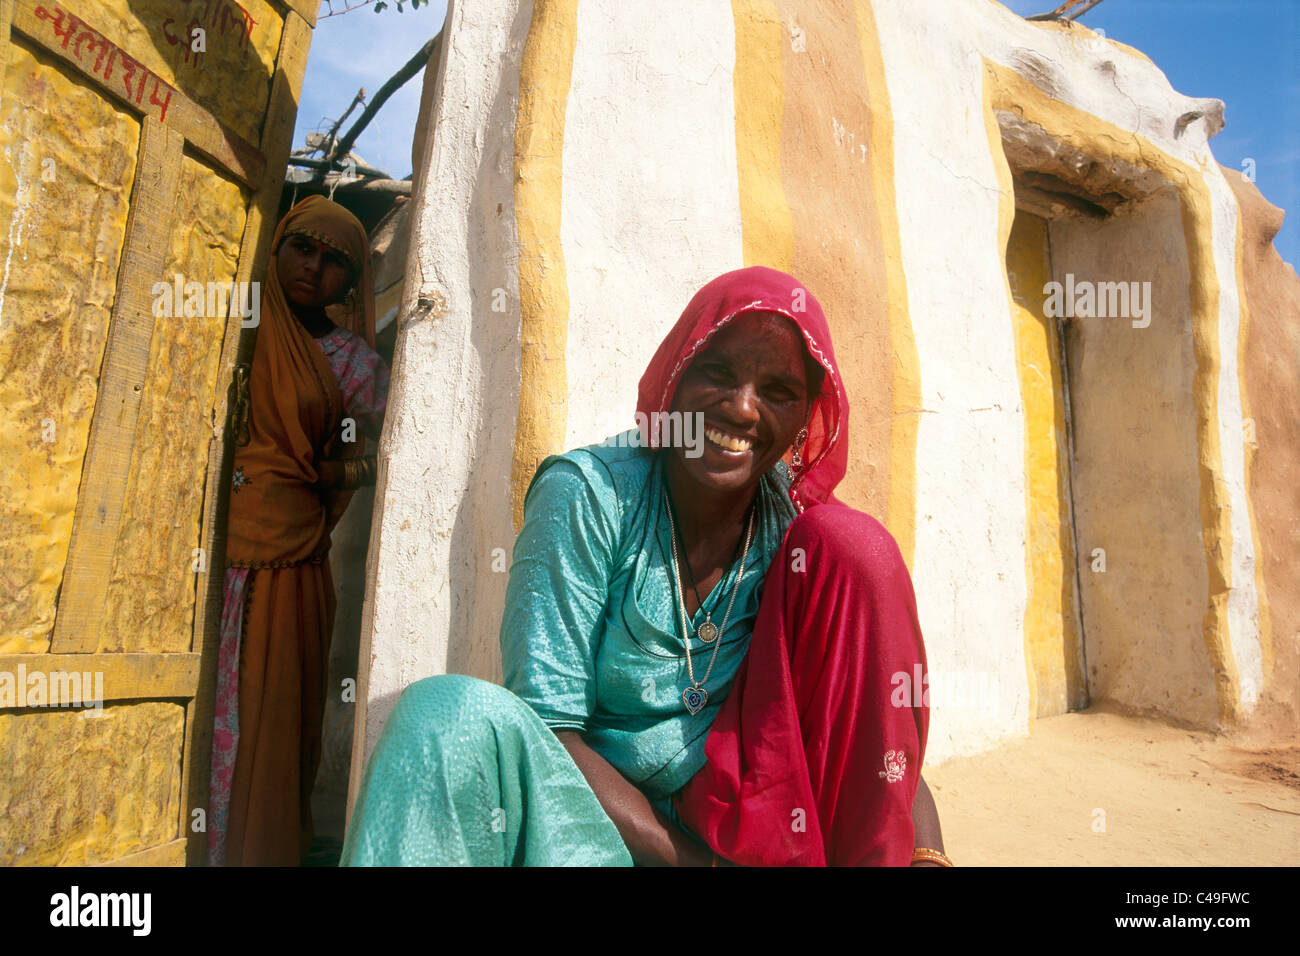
x,y
810,760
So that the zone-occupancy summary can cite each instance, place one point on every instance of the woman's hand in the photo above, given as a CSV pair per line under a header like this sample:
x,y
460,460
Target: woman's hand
x,y
650,837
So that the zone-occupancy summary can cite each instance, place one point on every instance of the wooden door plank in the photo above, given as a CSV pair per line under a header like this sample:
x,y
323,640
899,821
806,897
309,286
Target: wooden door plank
x,y
6,23
307,9
167,854
124,676
277,140
121,384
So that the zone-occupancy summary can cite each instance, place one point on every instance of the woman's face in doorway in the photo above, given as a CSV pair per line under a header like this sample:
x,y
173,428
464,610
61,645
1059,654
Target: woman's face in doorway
x,y
312,274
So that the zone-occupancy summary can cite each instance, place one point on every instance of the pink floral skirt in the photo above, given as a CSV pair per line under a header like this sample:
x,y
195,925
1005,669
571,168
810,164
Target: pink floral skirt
x,y
225,730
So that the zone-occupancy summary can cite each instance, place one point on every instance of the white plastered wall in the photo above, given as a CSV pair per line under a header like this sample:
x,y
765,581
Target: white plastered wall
x,y
433,600
651,194
969,564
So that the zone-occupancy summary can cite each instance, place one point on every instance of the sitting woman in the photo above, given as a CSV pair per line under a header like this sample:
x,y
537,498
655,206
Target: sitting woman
x,y
699,648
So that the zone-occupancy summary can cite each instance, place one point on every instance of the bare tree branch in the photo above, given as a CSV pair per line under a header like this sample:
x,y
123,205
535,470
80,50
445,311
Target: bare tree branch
x,y
391,86
1079,13
1059,12
328,148
348,7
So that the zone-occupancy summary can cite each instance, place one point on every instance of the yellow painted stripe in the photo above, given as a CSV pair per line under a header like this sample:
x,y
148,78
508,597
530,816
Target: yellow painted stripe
x,y
1051,637
544,76
1243,334
906,385
837,246
1006,89
1216,505
767,227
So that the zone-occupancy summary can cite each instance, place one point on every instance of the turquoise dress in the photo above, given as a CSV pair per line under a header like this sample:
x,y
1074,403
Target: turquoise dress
x,y
590,641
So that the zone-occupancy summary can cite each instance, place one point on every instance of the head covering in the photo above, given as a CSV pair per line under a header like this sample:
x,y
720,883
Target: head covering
x,y
759,289
277,517
327,222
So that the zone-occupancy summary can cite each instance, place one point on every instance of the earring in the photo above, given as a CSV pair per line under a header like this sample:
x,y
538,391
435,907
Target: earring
x,y
796,460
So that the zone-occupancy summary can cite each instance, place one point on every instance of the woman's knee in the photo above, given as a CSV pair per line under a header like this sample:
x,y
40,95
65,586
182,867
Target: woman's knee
x,y
438,697
850,539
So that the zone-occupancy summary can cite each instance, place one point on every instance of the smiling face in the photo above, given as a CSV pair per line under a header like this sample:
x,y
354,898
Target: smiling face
x,y
751,384
312,274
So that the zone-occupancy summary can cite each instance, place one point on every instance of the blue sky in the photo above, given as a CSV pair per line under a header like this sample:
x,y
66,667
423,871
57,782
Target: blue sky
x,y
1244,52
364,48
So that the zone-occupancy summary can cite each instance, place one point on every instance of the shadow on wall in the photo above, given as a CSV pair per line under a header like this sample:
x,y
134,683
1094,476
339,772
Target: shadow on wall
x,y
1143,582
348,563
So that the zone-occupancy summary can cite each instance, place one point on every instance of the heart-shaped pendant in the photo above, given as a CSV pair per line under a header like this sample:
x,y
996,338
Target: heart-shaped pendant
x,y
695,698
708,632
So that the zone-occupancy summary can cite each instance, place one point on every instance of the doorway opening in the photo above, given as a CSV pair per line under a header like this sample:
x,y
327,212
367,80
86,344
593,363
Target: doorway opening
x,y
1098,265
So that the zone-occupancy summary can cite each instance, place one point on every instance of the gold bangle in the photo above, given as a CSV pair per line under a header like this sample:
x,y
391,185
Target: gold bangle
x,y
349,473
923,854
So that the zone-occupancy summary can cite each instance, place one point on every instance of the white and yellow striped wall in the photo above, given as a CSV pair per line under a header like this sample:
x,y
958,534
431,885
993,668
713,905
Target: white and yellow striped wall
x,y
588,165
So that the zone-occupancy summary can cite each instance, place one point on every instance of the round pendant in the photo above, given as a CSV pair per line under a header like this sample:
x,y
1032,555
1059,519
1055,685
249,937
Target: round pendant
x,y
695,698
708,632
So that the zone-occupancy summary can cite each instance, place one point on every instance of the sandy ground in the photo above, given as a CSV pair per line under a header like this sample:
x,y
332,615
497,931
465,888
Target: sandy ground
x,y
1097,788
1168,796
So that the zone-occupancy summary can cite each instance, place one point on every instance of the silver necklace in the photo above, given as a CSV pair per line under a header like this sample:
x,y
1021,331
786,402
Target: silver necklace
x,y
695,696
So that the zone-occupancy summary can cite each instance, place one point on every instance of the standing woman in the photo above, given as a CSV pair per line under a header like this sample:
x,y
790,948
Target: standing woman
x,y
314,389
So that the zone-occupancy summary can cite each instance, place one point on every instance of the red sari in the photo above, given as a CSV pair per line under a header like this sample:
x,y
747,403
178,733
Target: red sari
x,y
810,761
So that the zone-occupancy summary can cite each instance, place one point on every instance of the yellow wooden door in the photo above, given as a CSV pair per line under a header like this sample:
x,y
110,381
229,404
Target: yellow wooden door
x,y
144,144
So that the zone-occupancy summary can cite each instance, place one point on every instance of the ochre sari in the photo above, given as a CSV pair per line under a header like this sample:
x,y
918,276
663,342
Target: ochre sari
x,y
279,529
